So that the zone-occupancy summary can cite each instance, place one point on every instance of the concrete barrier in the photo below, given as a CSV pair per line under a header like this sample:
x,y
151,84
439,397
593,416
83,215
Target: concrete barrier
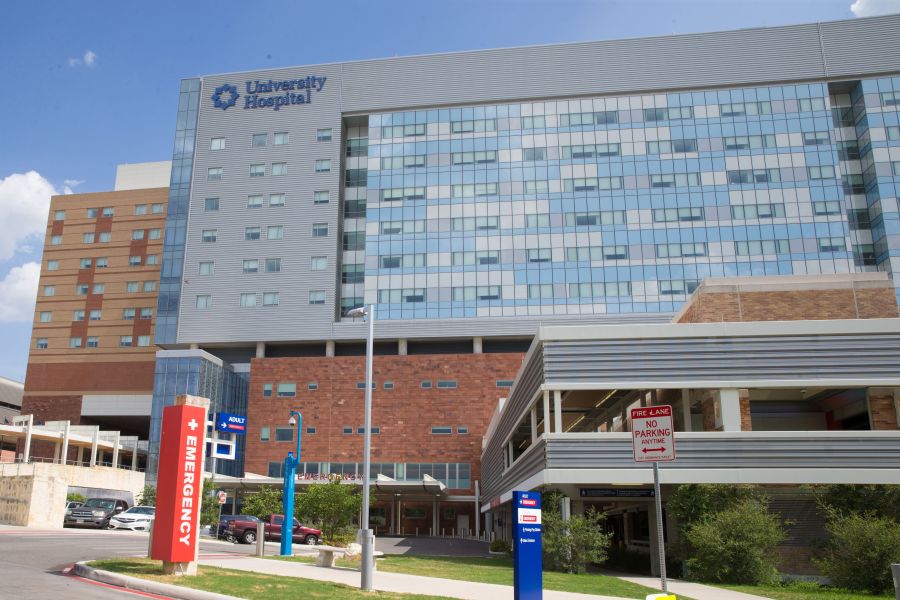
x,y
34,494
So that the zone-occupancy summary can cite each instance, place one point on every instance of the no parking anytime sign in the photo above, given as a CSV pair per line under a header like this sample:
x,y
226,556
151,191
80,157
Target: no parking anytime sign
x,y
652,434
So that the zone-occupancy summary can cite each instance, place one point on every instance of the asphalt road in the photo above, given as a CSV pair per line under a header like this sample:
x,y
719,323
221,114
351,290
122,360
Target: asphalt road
x,y
32,561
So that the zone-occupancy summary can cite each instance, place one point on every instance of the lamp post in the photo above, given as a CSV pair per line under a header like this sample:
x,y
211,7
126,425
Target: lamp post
x,y
367,540
287,500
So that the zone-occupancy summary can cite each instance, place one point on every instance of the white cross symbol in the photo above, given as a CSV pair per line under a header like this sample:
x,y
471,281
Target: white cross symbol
x,y
193,424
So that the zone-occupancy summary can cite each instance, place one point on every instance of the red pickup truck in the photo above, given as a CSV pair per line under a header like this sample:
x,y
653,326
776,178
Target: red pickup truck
x,y
244,530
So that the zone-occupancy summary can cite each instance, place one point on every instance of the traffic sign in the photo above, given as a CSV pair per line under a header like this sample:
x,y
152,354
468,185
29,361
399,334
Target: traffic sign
x,y
652,434
222,497
229,423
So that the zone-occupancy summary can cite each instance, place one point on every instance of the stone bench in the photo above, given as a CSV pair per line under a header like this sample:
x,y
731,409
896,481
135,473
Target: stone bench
x,y
328,554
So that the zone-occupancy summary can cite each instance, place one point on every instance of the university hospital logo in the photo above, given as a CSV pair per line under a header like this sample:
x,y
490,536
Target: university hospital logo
x,y
269,94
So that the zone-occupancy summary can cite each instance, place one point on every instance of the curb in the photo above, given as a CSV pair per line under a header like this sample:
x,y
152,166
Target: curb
x,y
144,585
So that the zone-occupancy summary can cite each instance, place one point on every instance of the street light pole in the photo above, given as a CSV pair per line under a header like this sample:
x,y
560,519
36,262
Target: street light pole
x,y
287,499
367,540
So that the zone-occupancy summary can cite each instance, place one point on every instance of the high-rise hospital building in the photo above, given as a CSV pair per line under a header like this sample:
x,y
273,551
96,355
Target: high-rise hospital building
x,y
481,199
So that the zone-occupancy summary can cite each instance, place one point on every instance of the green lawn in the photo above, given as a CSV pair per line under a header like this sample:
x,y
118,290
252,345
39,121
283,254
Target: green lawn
x,y
500,571
253,586
804,591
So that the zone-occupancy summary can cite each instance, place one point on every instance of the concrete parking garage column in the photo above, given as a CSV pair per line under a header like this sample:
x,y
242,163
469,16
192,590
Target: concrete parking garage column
x,y
730,405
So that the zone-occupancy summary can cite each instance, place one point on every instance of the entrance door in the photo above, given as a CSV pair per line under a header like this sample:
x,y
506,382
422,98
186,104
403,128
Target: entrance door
x,y
462,524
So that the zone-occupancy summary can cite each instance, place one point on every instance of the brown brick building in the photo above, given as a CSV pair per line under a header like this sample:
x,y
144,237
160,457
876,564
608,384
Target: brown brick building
x,y
92,353
429,412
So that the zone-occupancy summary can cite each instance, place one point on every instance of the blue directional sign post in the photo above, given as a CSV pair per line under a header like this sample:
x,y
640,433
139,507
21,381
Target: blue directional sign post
x,y
528,578
229,423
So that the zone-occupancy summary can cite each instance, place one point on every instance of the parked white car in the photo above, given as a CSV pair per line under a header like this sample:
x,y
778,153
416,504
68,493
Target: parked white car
x,y
136,518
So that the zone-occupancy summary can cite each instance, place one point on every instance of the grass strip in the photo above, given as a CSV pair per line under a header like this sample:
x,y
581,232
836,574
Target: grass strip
x,y
497,570
243,584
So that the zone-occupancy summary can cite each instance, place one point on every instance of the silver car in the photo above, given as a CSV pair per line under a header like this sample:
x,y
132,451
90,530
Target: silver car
x,y
136,518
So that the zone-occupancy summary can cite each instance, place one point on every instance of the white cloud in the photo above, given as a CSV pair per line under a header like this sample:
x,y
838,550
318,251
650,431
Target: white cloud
x,y
18,291
73,182
89,59
24,203
868,8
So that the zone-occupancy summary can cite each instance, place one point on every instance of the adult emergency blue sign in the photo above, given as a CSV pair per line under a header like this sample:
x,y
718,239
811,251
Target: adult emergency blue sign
x,y
527,552
229,423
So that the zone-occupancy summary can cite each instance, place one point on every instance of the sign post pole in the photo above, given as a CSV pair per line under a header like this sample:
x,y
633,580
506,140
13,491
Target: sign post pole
x,y
653,440
528,577
660,539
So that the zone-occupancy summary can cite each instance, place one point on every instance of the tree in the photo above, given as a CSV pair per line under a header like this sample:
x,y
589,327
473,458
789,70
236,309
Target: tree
x,y
267,501
692,502
877,500
735,545
860,550
75,497
571,545
209,509
331,506
147,497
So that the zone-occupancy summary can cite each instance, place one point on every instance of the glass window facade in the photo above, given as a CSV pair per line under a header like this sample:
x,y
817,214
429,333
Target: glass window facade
x,y
710,183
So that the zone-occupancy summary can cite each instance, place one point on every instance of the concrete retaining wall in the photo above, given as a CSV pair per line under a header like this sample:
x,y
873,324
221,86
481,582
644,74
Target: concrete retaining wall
x,y
34,495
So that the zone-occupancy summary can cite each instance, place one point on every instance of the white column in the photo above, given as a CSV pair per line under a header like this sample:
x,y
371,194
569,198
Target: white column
x,y
57,446
548,426
557,408
476,345
730,405
64,454
115,456
80,456
686,409
134,457
533,424
195,346
260,349
329,348
94,440
29,424
401,347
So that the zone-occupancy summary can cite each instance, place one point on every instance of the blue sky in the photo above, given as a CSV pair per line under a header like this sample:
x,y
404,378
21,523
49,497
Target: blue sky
x,y
88,85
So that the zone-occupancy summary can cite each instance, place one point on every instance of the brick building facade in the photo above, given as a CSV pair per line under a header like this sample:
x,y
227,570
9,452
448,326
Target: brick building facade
x,y
92,355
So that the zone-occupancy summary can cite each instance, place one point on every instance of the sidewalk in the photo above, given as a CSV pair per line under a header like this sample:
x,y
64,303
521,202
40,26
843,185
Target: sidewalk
x,y
698,591
389,582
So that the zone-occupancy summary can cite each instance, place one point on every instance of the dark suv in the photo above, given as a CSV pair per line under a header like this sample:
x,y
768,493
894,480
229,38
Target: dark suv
x,y
96,512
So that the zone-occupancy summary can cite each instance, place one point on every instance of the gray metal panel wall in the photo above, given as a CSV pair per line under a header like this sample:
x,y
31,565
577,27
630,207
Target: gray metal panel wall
x,y
731,58
727,358
294,318
753,451
872,42
494,481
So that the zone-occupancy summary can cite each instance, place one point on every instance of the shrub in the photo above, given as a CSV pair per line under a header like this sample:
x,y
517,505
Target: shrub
x,y
691,503
265,502
571,545
735,545
499,545
860,551
879,500
147,497
73,497
331,506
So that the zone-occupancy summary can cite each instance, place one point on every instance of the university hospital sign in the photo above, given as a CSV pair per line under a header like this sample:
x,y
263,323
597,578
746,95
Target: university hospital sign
x,y
272,94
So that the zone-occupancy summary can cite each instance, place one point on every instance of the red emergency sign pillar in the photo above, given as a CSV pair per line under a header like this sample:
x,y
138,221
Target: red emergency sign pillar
x,y
179,485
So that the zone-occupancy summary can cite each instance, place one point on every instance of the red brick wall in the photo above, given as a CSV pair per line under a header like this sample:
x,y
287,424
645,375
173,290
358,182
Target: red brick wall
x,y
791,305
90,376
405,414
881,408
